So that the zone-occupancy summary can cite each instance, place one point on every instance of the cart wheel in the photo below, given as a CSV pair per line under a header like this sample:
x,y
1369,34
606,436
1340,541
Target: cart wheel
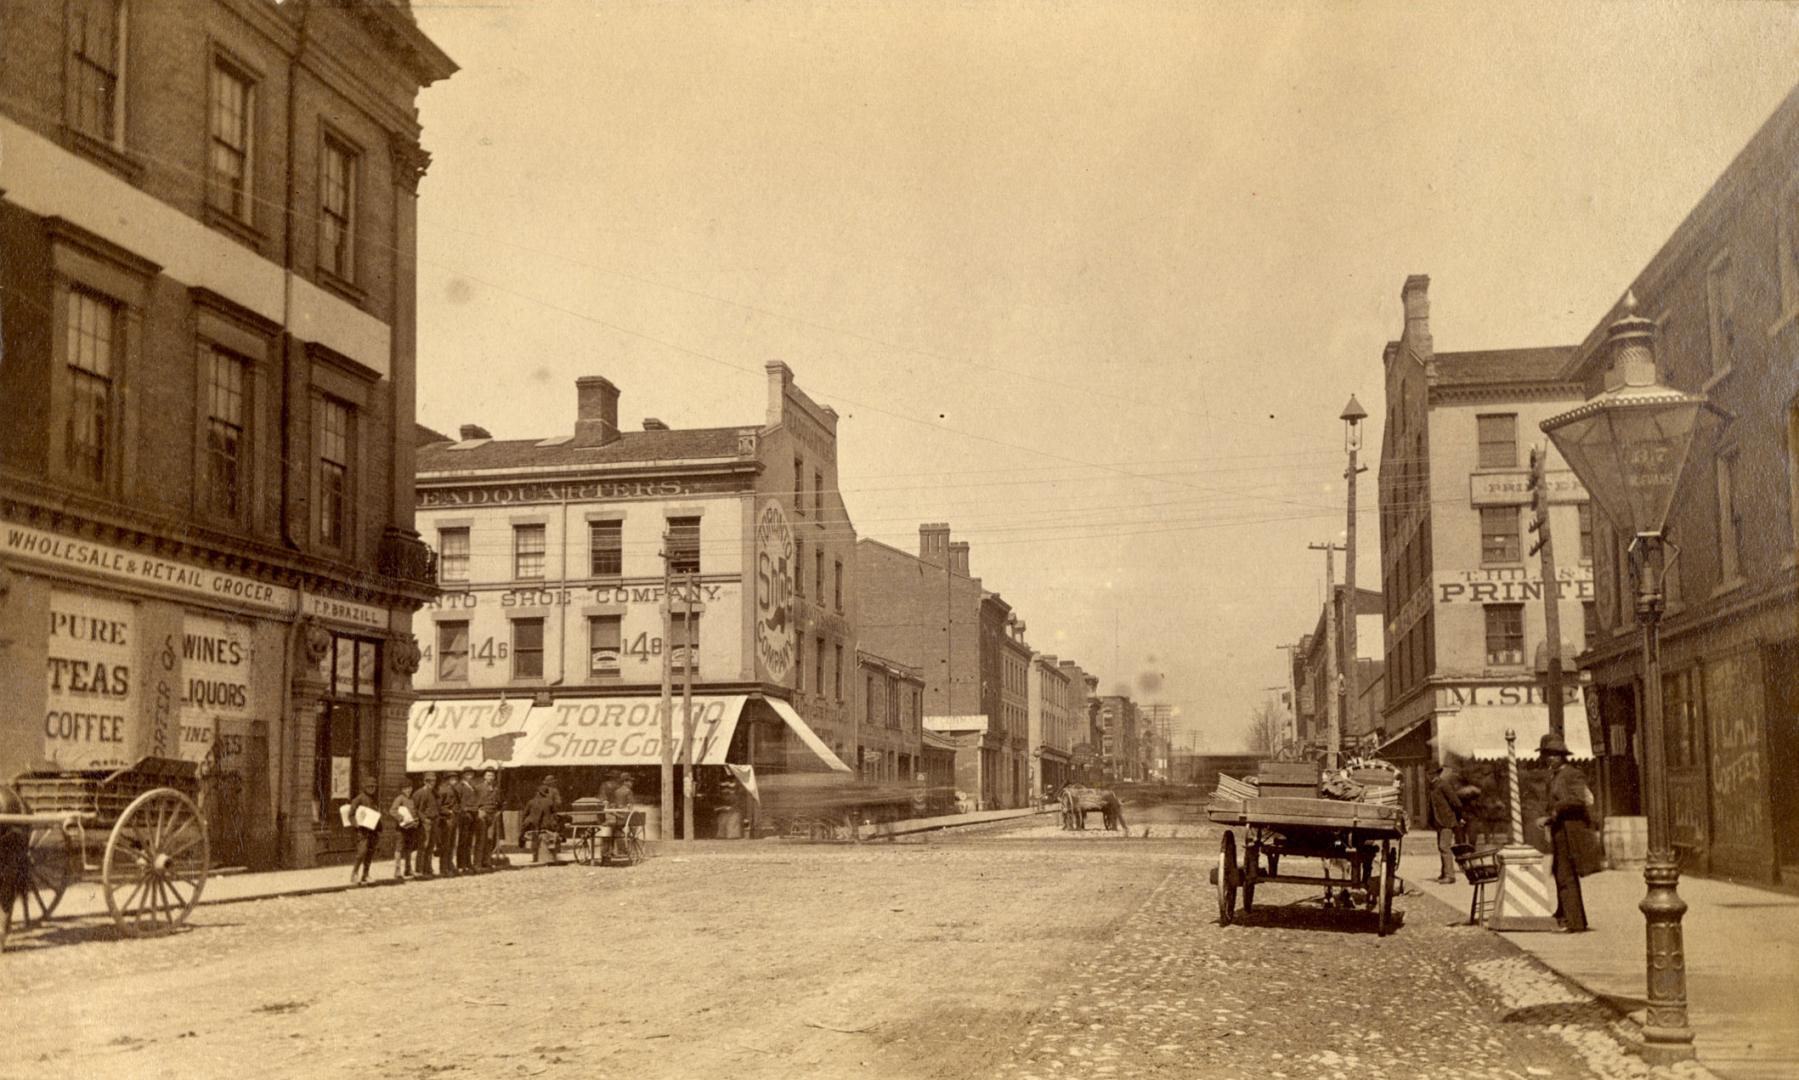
x,y
1252,852
1227,878
631,848
54,866
1388,871
155,864
587,852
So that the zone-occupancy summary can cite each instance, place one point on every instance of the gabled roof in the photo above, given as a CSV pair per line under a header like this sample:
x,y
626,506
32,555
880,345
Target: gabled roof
x,y
629,448
1487,367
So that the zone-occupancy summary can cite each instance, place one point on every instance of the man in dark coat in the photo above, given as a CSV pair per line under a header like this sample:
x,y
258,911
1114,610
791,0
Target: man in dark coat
x,y
468,821
449,824
1568,821
424,800
1446,817
539,822
489,809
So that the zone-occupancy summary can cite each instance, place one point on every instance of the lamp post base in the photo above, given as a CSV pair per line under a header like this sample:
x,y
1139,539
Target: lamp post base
x,y
1667,1037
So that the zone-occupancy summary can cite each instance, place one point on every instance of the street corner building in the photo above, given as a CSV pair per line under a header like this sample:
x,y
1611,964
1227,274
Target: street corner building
x,y
207,233
573,564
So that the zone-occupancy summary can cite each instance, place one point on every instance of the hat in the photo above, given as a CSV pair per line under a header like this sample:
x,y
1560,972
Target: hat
x,y
1552,744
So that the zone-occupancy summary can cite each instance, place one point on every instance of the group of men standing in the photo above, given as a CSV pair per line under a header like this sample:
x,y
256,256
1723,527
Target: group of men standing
x,y
459,821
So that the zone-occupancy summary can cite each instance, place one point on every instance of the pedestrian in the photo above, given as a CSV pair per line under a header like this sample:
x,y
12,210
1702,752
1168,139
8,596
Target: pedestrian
x,y
468,820
406,816
555,795
540,823
621,798
449,823
488,807
1568,820
1446,811
424,800
365,818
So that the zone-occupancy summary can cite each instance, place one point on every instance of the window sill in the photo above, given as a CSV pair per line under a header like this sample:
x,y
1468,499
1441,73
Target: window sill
x,y
238,229
343,288
115,159
1717,378
1729,586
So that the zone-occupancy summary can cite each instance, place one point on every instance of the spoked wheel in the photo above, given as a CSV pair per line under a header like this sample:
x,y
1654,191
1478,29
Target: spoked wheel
x,y
54,866
587,851
155,864
1389,870
630,848
1252,853
1227,878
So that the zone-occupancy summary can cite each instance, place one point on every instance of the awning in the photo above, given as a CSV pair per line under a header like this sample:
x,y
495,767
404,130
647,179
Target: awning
x,y
1480,733
450,733
807,735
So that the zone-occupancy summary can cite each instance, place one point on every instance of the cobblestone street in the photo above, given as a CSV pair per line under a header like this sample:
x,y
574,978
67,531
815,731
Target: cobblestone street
x,y
1103,960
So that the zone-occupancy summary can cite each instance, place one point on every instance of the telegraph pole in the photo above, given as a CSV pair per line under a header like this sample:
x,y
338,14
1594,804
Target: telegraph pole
x,y
1552,589
1334,720
687,710
1353,413
668,703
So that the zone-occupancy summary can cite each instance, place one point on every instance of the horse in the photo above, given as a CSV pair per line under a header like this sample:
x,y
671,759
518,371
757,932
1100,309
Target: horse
x,y
1078,802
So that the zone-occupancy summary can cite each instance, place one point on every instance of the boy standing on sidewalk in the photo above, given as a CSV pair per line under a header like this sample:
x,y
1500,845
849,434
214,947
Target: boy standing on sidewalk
x,y
366,836
405,814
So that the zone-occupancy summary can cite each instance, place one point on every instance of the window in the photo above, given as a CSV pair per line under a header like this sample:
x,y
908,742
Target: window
x,y
1498,441
1499,534
799,486
229,177
799,663
1730,521
1589,623
349,728
837,676
1505,635
818,667
527,551
337,211
95,34
870,714
1721,308
684,545
838,589
818,573
686,629
818,493
452,652
604,641
334,472
605,548
799,567
225,446
91,348
1682,738
452,554
527,648
1586,530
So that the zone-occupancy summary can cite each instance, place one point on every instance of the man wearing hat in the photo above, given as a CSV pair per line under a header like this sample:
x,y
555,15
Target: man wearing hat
x,y
1568,820
1446,812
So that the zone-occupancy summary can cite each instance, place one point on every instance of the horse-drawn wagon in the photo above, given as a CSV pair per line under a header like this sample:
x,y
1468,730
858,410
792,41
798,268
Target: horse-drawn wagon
x,y
138,827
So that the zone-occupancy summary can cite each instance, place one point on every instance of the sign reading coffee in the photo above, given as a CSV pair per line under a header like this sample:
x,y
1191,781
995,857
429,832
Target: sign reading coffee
x,y
92,701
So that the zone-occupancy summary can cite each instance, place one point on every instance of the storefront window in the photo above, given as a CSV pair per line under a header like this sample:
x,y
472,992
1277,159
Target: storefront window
x,y
348,743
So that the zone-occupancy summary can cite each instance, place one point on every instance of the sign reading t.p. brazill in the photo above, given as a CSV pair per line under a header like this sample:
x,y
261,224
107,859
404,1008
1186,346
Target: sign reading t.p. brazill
x,y
332,609
774,591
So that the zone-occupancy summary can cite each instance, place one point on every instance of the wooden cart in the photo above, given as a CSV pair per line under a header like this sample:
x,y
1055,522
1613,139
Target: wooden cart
x,y
139,828
589,827
1362,838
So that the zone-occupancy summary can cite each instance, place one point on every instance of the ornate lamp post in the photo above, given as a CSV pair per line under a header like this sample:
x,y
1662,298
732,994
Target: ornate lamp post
x,y
1628,445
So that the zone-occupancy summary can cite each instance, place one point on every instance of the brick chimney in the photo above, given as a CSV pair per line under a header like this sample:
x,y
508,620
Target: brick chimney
x,y
933,543
474,431
1416,297
650,423
596,411
780,377
958,557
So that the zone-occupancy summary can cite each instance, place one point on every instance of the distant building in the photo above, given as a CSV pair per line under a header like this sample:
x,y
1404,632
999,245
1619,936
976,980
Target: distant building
x,y
1464,597
889,735
1119,753
208,230
1083,708
1053,733
1313,719
1724,293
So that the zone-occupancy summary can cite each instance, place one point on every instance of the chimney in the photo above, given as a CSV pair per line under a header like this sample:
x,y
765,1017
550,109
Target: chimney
x,y
596,411
780,377
1416,297
1389,354
933,543
474,431
958,555
650,423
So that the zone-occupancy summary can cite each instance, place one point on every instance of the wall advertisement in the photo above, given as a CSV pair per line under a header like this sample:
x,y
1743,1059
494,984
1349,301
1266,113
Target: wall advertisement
x,y
215,684
92,709
774,592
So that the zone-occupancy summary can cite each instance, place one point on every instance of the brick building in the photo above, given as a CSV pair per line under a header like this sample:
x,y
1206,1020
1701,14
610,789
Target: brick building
x,y
1312,718
1083,707
1724,294
889,736
208,215
1053,710
551,624
1120,756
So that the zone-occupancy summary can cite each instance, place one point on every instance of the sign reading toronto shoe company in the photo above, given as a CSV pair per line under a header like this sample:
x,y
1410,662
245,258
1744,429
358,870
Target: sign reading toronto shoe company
x,y
774,591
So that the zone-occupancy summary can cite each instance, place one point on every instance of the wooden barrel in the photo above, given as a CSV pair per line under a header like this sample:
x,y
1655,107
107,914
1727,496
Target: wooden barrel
x,y
1626,842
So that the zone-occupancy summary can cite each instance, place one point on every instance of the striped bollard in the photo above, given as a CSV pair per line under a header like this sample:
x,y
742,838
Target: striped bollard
x,y
1525,897
1511,780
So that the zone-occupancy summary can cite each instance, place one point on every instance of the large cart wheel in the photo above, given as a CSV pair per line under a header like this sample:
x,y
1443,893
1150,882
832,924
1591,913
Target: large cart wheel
x,y
55,863
630,847
1252,853
1389,870
587,851
1227,878
155,864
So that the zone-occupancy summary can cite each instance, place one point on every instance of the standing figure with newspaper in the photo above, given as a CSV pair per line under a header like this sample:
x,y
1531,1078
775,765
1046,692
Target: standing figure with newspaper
x,y
365,818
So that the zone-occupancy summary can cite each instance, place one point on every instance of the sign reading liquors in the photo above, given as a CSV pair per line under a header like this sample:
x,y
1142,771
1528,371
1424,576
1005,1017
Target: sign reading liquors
x,y
215,680
91,708
774,591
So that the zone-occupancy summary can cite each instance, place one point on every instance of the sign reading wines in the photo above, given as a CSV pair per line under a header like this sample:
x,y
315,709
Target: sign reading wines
x,y
774,591
215,679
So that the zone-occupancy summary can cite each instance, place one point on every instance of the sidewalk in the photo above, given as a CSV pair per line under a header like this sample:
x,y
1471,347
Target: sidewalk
x,y
947,821
1742,950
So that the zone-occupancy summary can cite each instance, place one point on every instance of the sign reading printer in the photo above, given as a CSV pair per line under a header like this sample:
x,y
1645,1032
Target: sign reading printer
x,y
593,731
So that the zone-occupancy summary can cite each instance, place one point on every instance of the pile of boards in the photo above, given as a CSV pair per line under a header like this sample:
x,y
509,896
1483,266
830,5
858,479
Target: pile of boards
x,y
1359,781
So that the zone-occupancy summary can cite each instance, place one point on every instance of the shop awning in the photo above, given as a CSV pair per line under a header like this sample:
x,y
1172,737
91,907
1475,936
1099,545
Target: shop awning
x,y
457,734
1480,733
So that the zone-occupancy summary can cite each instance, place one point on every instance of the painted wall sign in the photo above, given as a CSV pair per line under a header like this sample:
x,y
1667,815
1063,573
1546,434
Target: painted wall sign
x,y
1733,711
348,612
562,596
118,564
1482,696
774,591
594,731
543,491
91,713
1510,585
1513,488
215,680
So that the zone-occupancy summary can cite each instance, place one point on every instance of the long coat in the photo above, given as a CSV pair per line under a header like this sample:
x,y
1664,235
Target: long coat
x,y
1570,823
1445,803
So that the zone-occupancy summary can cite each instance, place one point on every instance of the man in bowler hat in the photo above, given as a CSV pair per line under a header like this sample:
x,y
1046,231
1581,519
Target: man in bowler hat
x,y
1568,821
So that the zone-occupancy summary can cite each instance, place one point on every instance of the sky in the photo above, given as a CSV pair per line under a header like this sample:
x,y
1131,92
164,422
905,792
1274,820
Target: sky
x,y
1091,282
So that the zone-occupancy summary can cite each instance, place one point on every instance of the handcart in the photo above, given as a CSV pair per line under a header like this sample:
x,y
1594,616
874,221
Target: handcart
x,y
138,827
601,834
1361,837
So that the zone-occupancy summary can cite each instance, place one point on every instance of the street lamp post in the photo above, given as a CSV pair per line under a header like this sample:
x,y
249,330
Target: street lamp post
x,y
1353,415
1628,444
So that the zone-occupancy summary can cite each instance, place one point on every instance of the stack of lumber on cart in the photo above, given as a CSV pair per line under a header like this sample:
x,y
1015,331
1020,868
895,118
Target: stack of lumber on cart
x,y
1377,784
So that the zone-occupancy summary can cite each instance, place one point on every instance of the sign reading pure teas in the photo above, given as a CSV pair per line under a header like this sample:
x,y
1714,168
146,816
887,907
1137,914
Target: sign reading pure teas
x,y
215,679
91,708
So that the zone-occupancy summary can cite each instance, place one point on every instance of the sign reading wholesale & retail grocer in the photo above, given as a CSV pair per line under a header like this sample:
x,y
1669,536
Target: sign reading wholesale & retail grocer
x,y
774,591
132,567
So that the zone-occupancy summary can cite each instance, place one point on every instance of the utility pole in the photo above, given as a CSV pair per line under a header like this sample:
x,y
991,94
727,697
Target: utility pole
x,y
1334,720
1552,588
668,704
687,662
1352,417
